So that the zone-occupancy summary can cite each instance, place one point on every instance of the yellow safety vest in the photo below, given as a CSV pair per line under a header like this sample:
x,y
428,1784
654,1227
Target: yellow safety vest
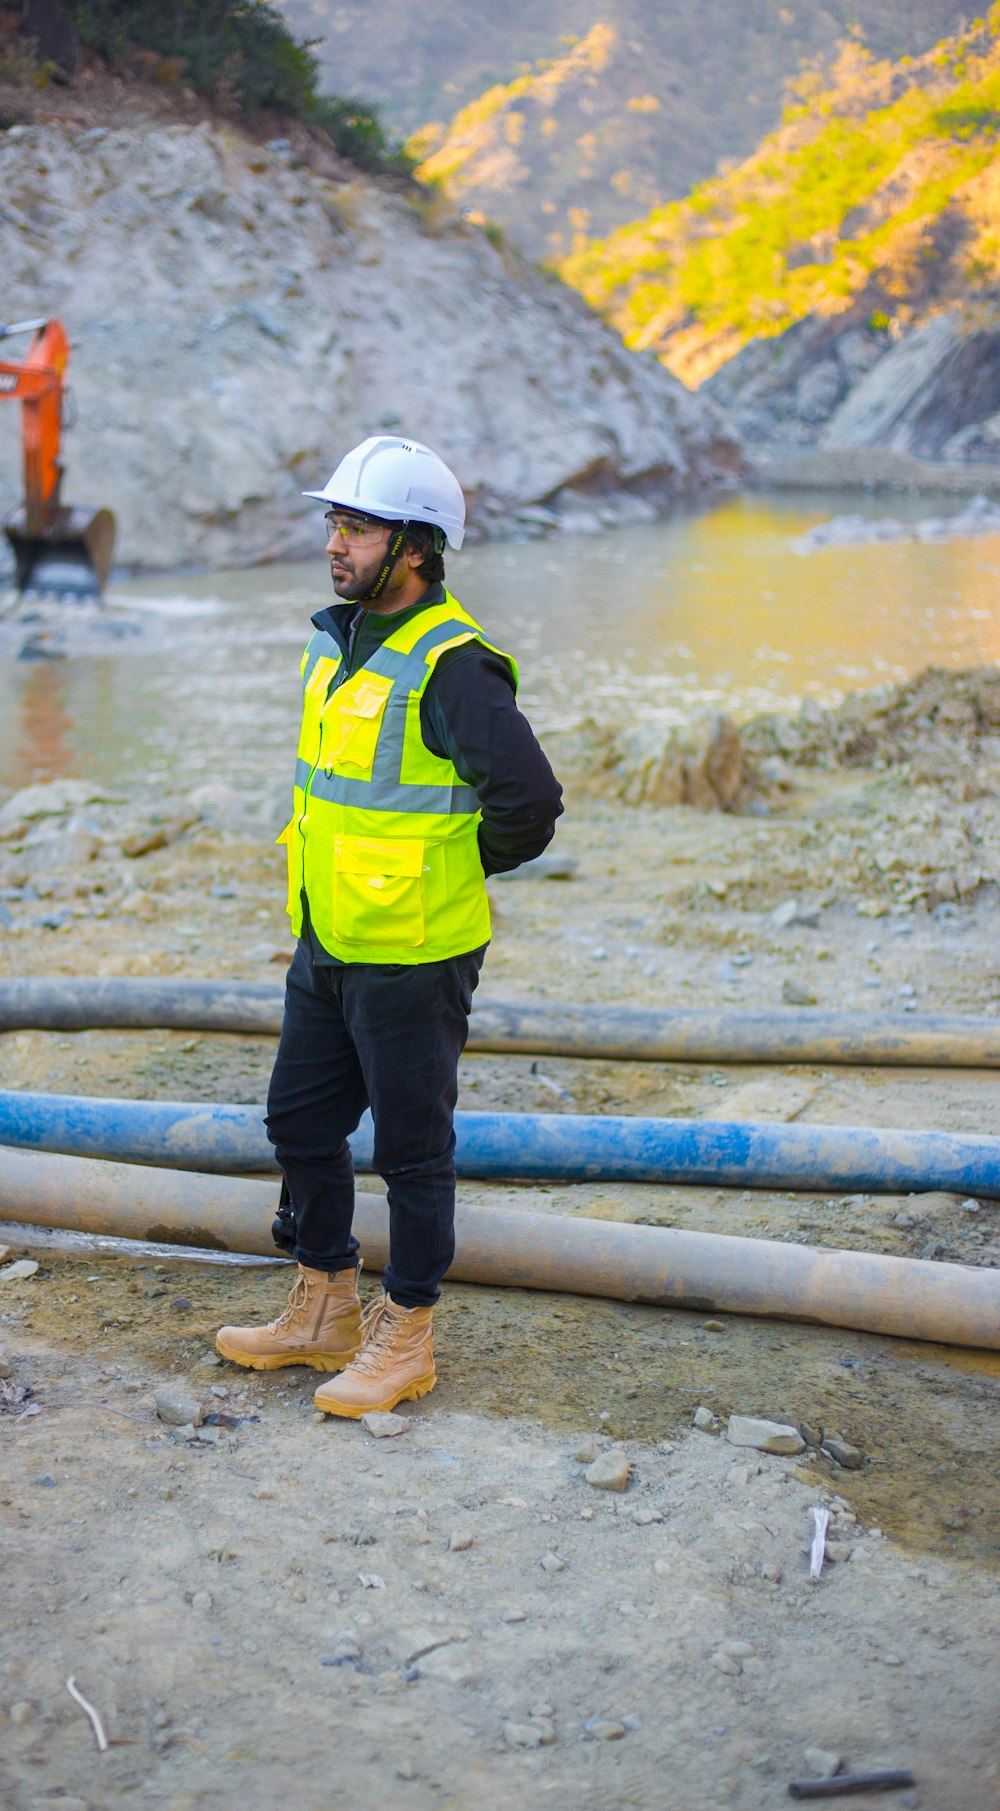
x,y
383,840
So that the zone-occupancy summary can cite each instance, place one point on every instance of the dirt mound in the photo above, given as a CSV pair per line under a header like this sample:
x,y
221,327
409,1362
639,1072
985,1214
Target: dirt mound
x,y
945,725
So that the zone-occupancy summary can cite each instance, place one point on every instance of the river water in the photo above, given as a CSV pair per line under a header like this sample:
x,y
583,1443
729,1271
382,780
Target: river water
x,y
711,609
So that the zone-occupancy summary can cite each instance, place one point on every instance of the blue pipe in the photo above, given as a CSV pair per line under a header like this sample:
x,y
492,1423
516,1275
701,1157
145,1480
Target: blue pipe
x,y
534,1146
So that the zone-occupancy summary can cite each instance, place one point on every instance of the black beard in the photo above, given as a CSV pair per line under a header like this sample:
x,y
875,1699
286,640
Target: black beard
x,y
350,591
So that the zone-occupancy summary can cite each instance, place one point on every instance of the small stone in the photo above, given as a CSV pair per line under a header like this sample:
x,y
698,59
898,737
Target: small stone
x,y
784,915
177,1408
405,1770
704,1419
181,1305
609,1471
460,1541
209,1436
843,1453
523,1735
552,1563
764,1436
603,1729
22,1712
822,1763
586,1452
4,1369
644,1518
384,1426
726,1663
210,1361
838,1552
219,1390
515,1616
796,993
201,1600
22,1267
891,1660
713,1326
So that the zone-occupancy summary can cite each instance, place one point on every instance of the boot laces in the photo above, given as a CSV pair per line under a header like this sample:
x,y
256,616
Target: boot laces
x,y
377,1329
296,1303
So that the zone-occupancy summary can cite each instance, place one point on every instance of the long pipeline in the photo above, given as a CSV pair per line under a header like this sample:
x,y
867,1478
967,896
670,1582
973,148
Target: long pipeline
x,y
669,1268
230,1140
531,1027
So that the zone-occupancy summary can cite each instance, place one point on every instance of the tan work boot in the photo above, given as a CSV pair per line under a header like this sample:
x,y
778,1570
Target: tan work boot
x,y
395,1364
321,1327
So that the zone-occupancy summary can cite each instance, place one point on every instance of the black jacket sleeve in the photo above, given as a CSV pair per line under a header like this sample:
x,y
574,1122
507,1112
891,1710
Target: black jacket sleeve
x,y
469,715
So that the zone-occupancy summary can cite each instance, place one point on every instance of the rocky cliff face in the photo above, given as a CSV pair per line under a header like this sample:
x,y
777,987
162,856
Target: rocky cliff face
x,y
931,393
238,320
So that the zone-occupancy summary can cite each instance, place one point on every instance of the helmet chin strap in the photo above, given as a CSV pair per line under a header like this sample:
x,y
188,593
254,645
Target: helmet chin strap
x,y
393,551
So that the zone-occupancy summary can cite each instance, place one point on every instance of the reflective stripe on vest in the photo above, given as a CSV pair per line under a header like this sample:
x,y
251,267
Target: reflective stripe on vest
x,y
383,839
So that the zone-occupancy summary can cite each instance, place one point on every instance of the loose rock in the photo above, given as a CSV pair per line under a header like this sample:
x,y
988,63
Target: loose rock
x,y
609,1471
525,1735
843,1453
23,1267
765,1436
177,1408
384,1426
705,1420
822,1763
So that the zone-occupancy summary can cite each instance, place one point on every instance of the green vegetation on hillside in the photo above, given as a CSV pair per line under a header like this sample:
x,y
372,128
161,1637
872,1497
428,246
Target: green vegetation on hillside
x,y
241,52
883,185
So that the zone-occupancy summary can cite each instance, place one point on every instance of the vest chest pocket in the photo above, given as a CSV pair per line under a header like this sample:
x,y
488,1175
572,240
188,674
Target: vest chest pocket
x,y
352,719
378,891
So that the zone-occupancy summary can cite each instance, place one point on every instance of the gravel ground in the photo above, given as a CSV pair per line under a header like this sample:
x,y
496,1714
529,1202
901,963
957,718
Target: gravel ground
x,y
454,1615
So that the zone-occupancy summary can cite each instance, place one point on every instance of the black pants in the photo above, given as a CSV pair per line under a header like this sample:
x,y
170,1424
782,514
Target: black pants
x,y
388,1037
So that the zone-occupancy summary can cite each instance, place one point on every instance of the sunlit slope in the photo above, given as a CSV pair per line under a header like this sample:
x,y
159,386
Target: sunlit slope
x,y
884,187
558,118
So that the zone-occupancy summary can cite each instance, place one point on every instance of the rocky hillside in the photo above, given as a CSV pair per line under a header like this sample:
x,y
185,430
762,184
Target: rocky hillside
x,y
842,285
558,118
239,318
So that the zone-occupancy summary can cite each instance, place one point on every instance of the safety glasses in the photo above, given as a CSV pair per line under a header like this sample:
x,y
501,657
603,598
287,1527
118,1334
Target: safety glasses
x,y
356,531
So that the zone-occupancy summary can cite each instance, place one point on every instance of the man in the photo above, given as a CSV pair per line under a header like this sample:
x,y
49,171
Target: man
x,y
416,777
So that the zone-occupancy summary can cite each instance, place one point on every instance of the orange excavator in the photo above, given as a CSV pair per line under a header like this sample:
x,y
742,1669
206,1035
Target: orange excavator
x,y
58,549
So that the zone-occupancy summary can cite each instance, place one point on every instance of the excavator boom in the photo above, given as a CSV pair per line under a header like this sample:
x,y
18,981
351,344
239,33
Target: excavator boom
x,y
56,548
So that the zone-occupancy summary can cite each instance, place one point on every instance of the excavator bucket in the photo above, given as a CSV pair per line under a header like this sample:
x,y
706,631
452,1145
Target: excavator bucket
x,y
69,557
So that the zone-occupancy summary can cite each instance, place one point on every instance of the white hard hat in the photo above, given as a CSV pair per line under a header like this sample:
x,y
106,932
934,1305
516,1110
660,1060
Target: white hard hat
x,y
400,480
